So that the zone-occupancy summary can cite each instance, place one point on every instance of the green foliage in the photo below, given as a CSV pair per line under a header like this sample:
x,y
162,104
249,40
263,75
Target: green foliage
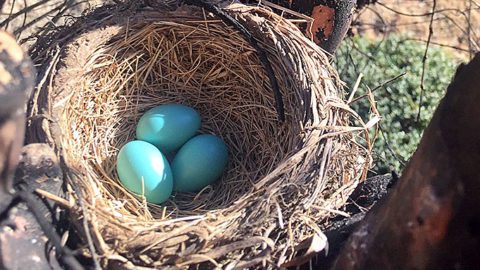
x,y
397,101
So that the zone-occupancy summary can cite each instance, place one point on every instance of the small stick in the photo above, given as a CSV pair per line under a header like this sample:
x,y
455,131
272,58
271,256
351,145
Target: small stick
x,y
376,88
53,197
424,61
355,88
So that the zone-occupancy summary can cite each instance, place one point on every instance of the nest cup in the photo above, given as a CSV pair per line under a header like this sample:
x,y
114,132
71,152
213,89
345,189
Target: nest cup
x,y
284,179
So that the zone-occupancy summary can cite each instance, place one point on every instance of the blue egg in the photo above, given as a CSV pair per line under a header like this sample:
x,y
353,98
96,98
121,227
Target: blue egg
x,y
168,126
199,163
140,161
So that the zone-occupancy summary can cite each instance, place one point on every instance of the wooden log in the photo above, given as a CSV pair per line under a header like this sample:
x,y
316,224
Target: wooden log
x,y
431,220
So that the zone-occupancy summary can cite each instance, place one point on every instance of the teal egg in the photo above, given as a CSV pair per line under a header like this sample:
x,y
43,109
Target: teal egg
x,y
199,163
137,161
168,126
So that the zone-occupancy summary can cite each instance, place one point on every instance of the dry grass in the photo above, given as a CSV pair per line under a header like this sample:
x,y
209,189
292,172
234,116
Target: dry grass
x,y
174,63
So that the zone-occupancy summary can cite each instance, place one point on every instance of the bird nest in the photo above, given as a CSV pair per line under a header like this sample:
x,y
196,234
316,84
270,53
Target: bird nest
x,y
272,97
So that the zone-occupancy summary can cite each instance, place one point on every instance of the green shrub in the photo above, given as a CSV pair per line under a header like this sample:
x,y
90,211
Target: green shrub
x,y
397,101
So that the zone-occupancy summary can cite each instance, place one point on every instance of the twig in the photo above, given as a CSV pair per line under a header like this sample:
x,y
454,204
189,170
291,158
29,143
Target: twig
x,y
397,24
402,162
438,44
53,197
24,15
379,16
469,29
424,60
25,10
62,12
355,87
9,15
62,8
377,87
433,12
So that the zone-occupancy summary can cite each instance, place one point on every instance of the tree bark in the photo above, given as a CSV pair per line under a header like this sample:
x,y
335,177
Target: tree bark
x,y
431,220
331,19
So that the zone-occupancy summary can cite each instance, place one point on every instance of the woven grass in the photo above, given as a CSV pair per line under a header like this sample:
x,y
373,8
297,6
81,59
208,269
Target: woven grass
x,y
284,179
